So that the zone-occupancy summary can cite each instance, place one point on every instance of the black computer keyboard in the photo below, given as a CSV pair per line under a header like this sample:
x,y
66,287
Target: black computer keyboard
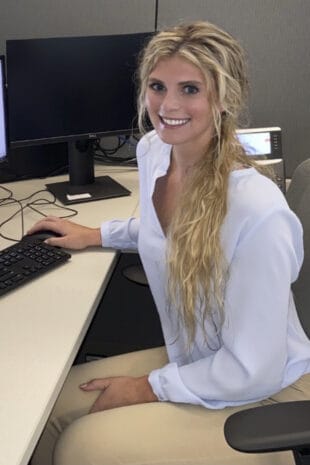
x,y
26,260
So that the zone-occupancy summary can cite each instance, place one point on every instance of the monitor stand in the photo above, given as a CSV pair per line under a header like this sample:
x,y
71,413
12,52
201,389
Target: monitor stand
x,y
83,186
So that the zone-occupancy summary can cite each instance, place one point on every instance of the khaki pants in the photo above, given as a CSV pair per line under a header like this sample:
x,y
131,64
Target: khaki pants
x,y
159,433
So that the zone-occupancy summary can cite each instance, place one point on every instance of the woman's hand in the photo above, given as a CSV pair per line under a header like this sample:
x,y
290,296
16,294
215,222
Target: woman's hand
x,y
120,391
72,235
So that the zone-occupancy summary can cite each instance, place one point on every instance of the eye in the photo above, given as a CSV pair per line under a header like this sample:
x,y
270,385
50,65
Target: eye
x,y
157,86
190,89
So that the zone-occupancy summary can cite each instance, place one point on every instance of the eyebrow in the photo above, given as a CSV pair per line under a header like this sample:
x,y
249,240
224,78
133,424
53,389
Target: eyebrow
x,y
190,82
181,83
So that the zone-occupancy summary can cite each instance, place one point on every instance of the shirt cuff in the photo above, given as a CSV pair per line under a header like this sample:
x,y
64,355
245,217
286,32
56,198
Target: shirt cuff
x,y
120,234
105,235
168,386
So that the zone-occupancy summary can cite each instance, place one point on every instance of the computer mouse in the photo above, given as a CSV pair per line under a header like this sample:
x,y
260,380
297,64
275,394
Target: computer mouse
x,y
42,235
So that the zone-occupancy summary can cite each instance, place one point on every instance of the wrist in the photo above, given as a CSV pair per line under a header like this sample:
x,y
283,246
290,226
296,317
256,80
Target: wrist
x,y
146,389
94,237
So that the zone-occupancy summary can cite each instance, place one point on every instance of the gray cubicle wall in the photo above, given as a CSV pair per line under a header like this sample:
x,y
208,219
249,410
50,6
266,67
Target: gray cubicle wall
x,y
52,18
275,34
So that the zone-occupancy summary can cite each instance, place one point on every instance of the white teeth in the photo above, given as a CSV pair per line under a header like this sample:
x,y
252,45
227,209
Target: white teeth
x,y
175,122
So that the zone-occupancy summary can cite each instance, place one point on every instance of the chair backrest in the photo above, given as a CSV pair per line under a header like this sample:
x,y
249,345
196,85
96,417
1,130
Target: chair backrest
x,y
298,198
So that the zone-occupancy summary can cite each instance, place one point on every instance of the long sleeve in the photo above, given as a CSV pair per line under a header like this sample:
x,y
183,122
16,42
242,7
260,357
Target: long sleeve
x,y
261,347
252,360
120,234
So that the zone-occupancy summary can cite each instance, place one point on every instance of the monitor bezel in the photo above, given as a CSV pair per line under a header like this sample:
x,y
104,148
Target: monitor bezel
x,y
83,185
90,136
72,138
3,88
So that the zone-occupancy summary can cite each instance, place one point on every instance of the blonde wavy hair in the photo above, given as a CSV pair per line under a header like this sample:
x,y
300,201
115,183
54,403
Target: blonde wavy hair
x,y
196,266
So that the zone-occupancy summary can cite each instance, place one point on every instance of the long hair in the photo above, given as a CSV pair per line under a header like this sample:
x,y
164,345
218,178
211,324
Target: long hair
x,y
197,269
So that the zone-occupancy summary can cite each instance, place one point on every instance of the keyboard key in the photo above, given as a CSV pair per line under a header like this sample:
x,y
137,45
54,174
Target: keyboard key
x,y
27,260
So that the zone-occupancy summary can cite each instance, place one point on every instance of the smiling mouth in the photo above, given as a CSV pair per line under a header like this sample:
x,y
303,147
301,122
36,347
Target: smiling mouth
x,y
173,121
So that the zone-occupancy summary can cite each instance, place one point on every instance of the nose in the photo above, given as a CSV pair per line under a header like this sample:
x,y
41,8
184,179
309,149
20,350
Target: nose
x,y
170,102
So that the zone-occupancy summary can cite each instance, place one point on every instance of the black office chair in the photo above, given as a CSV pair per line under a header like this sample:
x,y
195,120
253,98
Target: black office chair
x,y
283,426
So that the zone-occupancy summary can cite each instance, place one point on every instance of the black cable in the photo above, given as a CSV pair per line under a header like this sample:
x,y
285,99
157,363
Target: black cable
x,y
47,202
108,155
97,146
8,191
36,202
20,210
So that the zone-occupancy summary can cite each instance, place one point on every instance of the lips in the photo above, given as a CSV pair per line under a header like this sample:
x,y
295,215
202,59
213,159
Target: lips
x,y
174,121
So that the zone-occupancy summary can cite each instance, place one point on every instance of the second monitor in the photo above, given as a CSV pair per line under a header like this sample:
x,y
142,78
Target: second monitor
x,y
3,132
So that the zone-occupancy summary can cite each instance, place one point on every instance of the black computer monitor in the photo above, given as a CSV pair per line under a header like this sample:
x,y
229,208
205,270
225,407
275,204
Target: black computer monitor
x,y
73,90
3,132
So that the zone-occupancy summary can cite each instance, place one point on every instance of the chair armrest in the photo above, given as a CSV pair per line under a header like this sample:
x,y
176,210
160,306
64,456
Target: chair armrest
x,y
276,427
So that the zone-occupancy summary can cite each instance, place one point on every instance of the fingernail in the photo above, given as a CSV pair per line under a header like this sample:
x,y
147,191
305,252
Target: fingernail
x,y
83,385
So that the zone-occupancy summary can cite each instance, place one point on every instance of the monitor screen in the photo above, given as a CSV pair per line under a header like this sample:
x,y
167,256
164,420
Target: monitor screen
x,y
261,143
74,90
258,143
71,87
3,135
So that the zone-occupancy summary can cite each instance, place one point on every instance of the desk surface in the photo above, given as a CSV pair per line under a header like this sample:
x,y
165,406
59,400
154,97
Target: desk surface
x,y
43,323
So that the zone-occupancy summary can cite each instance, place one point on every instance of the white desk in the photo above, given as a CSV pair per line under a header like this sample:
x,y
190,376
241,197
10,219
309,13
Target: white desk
x,y
42,324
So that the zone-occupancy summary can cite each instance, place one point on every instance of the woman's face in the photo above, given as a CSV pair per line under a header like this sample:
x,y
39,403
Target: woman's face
x,y
178,105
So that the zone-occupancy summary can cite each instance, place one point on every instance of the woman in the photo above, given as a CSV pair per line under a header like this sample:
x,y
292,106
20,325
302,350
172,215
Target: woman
x,y
220,248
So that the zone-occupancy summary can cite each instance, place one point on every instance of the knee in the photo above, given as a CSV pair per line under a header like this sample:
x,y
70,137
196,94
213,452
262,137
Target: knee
x,y
72,445
84,443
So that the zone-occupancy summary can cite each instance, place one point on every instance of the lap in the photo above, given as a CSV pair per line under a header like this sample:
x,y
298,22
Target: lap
x,y
160,433
73,402
154,434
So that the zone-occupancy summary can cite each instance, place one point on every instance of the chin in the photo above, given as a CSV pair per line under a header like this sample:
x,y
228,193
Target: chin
x,y
169,135
171,139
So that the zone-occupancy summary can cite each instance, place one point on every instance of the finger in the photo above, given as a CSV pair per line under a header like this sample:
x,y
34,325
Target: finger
x,y
42,224
36,227
95,385
56,241
48,218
